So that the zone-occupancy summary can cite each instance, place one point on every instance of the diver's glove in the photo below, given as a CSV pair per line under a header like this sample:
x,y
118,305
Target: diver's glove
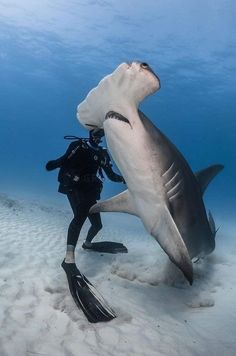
x,y
51,165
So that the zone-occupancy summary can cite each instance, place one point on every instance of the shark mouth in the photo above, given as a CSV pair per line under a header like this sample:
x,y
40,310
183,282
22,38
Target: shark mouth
x,y
116,116
110,115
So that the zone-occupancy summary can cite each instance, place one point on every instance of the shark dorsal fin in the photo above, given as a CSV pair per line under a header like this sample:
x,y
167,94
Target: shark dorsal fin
x,y
206,175
119,203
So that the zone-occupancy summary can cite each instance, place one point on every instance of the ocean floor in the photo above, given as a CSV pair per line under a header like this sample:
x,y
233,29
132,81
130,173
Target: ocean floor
x,y
158,313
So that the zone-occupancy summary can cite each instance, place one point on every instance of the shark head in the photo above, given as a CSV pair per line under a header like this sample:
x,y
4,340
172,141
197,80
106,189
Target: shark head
x,y
121,91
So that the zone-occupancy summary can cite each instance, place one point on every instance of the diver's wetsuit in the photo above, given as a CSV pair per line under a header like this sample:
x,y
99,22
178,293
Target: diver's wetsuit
x,y
78,179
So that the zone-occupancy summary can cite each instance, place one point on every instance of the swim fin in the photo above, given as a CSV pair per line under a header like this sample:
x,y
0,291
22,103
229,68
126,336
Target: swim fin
x,y
106,247
85,295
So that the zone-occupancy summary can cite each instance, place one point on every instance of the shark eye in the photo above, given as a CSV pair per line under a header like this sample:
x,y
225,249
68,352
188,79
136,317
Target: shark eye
x,y
144,65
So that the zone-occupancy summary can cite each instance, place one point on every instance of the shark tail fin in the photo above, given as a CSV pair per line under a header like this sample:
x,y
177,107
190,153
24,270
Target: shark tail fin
x,y
206,175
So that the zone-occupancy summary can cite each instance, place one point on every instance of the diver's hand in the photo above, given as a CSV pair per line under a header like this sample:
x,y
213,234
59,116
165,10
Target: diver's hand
x,y
50,165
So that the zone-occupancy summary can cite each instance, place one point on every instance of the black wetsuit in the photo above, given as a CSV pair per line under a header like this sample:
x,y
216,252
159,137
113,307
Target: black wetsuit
x,y
78,179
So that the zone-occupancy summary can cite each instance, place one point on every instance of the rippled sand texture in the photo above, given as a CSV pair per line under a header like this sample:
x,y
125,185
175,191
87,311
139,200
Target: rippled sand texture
x,y
158,312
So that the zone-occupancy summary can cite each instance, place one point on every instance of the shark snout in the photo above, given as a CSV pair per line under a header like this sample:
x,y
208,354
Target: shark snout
x,y
145,67
149,69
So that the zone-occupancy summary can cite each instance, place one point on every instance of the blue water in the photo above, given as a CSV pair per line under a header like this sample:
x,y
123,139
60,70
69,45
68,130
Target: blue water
x,y
53,52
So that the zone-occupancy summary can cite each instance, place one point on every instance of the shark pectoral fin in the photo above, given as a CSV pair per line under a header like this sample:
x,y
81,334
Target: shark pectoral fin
x,y
119,203
206,175
167,235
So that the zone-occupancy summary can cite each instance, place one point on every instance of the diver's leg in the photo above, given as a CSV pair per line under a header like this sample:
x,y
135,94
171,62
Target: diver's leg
x,y
80,211
96,226
82,291
104,246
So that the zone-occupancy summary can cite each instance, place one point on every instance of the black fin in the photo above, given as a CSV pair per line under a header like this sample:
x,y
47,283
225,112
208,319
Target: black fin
x,y
212,224
206,175
107,247
116,116
86,296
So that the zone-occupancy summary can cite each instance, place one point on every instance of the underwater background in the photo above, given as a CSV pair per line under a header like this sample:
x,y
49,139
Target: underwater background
x,y
53,52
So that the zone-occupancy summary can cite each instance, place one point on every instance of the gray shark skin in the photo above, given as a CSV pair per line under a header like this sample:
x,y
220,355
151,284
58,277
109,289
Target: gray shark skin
x,y
183,192
162,189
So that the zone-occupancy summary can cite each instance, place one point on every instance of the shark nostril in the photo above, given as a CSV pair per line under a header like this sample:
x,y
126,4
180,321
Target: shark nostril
x,y
144,65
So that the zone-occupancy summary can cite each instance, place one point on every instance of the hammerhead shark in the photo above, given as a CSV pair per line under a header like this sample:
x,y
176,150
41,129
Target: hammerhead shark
x,y
162,189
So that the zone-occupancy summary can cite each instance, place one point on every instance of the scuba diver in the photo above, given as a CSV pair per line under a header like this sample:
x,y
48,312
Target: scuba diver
x,y
78,178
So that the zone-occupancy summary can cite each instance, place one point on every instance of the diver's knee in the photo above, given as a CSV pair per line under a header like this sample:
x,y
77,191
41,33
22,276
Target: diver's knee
x,y
75,221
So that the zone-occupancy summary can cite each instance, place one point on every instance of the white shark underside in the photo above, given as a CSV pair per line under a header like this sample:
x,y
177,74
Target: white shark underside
x,y
162,189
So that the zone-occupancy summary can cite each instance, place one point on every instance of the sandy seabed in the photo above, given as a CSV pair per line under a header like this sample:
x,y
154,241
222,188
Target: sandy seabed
x,y
158,313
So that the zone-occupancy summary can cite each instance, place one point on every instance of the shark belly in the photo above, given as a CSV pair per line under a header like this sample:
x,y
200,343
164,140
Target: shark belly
x,y
133,157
